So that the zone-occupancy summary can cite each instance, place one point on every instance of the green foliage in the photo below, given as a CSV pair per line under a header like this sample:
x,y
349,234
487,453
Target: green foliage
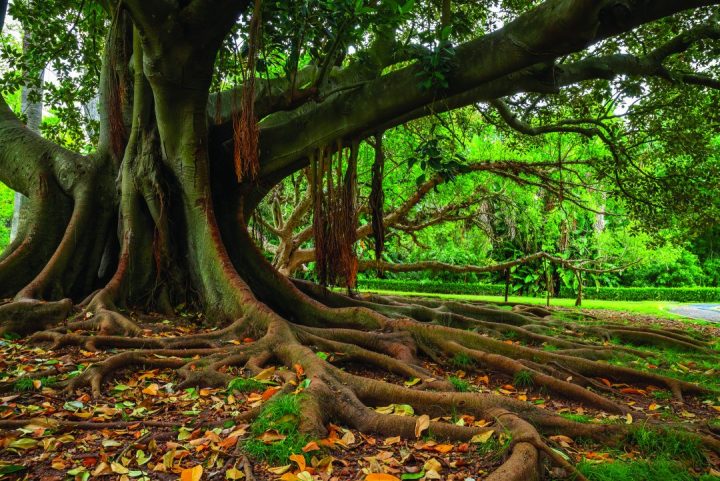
x,y
670,444
23,384
523,379
643,470
6,212
578,418
242,384
281,414
460,385
462,361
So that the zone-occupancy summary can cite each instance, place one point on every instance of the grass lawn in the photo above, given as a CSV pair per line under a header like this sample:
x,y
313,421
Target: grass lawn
x,y
650,308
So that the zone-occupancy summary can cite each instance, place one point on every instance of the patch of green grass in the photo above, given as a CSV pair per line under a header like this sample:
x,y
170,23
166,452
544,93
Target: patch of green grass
x,y
462,361
642,470
23,384
242,384
459,384
523,379
281,414
578,418
550,348
662,395
669,444
652,308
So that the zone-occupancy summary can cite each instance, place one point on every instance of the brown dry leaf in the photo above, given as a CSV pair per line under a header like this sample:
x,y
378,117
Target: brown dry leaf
x,y
422,423
272,436
192,474
393,440
443,448
564,441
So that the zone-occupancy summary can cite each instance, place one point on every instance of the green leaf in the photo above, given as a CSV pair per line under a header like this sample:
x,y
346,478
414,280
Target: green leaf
x,y
413,475
11,468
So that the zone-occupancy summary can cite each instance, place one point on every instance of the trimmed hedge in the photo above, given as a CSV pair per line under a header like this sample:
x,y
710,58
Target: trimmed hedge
x,y
678,294
438,287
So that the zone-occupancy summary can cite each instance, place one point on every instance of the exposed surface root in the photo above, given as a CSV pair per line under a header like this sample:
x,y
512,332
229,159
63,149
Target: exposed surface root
x,y
26,316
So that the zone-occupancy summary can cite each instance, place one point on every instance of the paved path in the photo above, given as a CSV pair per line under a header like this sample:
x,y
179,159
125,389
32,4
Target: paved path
x,y
707,312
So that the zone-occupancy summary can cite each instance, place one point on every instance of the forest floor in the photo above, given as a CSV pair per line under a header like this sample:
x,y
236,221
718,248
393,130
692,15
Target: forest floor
x,y
145,428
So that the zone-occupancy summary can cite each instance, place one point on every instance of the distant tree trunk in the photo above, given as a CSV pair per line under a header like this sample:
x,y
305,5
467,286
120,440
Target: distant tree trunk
x,y
507,283
578,301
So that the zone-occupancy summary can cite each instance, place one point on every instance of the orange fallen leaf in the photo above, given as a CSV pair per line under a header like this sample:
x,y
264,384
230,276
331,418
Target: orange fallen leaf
x,y
300,460
270,392
632,390
311,446
381,477
443,448
192,474
605,381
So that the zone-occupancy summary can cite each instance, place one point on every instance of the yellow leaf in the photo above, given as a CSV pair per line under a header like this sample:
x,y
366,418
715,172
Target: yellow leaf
x,y
628,418
381,477
422,423
432,464
654,407
265,374
192,474
717,408
280,469
304,476
482,437
234,474
412,381
120,469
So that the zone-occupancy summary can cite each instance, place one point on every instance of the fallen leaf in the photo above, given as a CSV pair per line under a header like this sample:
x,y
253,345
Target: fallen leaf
x,y
432,464
381,477
280,469
120,469
151,390
234,474
482,438
311,446
392,440
300,460
272,436
422,423
192,474
628,418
